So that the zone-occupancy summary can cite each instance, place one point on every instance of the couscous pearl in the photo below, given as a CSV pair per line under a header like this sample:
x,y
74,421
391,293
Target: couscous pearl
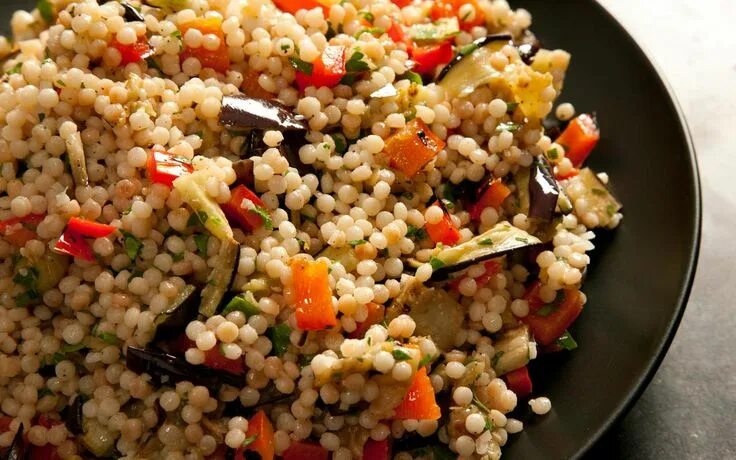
x,y
475,423
540,405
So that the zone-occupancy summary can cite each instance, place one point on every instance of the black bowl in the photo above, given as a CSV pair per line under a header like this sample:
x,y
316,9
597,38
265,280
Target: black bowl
x,y
641,274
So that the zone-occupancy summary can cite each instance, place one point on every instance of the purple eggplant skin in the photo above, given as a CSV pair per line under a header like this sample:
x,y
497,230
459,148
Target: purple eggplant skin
x,y
171,322
73,416
479,43
131,14
243,112
528,47
543,191
17,450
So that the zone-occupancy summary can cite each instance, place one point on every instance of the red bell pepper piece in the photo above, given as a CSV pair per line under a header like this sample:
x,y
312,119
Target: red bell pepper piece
x,y
5,422
579,138
492,196
73,244
377,450
313,295
451,8
20,230
412,147
376,313
292,6
572,173
260,427
427,58
419,402
549,322
136,52
213,358
492,268
89,228
251,87
234,210
305,451
218,59
219,454
327,70
401,3
519,382
445,231
396,31
165,168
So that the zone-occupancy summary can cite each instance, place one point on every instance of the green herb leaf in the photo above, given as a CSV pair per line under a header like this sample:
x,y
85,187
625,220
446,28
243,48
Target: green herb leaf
x,y
496,358
413,77
507,126
176,34
41,117
153,64
511,106
479,404
109,338
15,69
553,154
43,392
26,277
546,310
610,210
416,233
357,242
341,143
300,65
371,30
567,342
177,257
522,239
426,359
279,335
449,193
436,263
245,303
437,31
67,348
26,298
131,244
367,15
267,221
486,242
250,440
467,49
197,218
60,83
400,355
200,240
356,63
46,10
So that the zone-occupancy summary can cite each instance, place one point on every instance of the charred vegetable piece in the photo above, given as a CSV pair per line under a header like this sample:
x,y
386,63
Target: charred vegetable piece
x,y
243,112
260,428
17,450
191,187
175,5
131,14
428,58
502,239
247,217
419,402
74,418
98,439
327,70
579,138
428,33
220,279
20,230
182,310
73,244
77,160
492,196
244,173
50,269
306,451
470,70
89,228
292,6
550,322
313,295
412,147
528,47
445,231
598,197
376,314
345,256
377,450
512,350
519,382
164,168
136,52
543,191
218,59
167,369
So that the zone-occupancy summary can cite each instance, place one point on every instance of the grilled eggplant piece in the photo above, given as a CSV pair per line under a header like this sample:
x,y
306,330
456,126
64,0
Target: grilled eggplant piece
x,y
167,369
17,450
243,112
543,191
98,439
131,14
500,240
174,319
220,279
472,68
512,350
599,198
73,417
244,173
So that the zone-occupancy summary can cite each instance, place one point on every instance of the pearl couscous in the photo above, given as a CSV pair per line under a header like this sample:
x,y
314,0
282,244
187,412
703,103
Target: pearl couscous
x,y
292,229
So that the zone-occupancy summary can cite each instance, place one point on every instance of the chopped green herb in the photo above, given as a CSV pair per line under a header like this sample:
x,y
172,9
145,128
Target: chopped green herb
x,y
553,154
24,299
486,242
153,64
46,10
413,77
279,335
508,126
199,217
467,49
15,69
41,117
305,360
522,239
400,355
547,310
357,242
43,392
367,15
341,143
567,342
496,358
449,193
610,210
407,195
416,233
177,257
489,424
598,191
26,277
349,79
356,63
176,34
437,31
300,65
267,221
371,30
109,338
511,106
478,403
60,83
131,244
436,263
244,303
250,440
67,348
426,359
200,240
448,204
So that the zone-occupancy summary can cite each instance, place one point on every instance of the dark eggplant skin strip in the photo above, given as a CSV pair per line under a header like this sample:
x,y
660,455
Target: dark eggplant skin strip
x,y
131,14
528,47
245,112
479,43
166,369
17,450
543,191
171,322
244,172
73,416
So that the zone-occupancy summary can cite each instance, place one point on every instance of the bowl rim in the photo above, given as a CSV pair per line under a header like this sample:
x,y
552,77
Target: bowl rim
x,y
643,380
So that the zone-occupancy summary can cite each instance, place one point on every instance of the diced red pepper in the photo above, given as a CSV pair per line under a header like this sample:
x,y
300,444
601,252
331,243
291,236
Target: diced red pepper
x,y
492,196
213,358
234,210
376,313
579,138
519,382
219,454
532,296
305,451
251,87
218,59
445,231
47,451
377,450
292,6
89,228
548,327
396,31
73,244
136,52
5,422
419,402
327,70
412,147
312,295
451,8
260,427
401,3
20,230
427,58
165,168
492,267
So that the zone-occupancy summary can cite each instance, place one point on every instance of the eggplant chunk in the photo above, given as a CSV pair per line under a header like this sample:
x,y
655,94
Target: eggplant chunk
x,y
436,313
17,450
600,206
512,350
131,14
500,240
167,369
98,439
245,112
174,319
470,70
220,279
543,191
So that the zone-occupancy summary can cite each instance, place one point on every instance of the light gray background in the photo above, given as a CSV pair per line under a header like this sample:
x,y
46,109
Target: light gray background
x,y
689,409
